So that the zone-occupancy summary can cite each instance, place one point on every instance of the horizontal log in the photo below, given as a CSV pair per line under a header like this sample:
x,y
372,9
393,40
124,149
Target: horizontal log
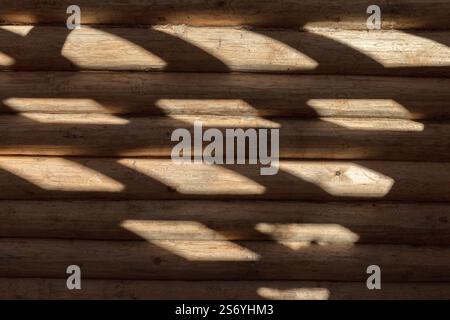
x,y
20,288
103,135
137,178
219,260
178,48
389,223
220,94
337,14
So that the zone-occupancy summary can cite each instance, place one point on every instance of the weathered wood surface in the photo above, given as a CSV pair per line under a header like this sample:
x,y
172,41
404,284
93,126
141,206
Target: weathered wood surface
x,y
220,260
35,288
140,178
225,94
342,13
180,48
398,223
104,135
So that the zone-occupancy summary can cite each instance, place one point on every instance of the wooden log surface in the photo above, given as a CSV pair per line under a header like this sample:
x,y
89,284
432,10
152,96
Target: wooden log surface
x,y
341,13
139,178
35,288
220,260
389,223
209,239
105,135
181,48
225,94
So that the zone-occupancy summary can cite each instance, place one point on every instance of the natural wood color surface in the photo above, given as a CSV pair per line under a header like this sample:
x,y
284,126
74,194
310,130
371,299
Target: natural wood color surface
x,y
401,223
137,178
225,94
179,48
104,135
20,288
220,260
87,179
339,13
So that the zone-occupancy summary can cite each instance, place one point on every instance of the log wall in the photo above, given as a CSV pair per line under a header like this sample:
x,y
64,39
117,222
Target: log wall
x,y
86,118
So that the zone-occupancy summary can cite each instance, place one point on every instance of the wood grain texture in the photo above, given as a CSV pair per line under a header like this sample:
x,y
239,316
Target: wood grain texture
x,y
398,223
181,48
225,94
85,125
220,260
103,135
138,178
35,288
341,13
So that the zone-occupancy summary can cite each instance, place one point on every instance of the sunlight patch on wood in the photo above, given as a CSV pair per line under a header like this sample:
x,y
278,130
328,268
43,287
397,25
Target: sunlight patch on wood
x,y
378,124
92,119
311,233
230,122
393,48
6,60
342,179
170,229
59,174
294,293
207,250
227,47
22,31
131,55
374,107
206,106
196,178
55,104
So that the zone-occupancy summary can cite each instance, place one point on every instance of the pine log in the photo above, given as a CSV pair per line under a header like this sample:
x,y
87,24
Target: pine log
x,y
381,223
181,49
104,135
220,260
336,14
225,94
38,178
35,288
